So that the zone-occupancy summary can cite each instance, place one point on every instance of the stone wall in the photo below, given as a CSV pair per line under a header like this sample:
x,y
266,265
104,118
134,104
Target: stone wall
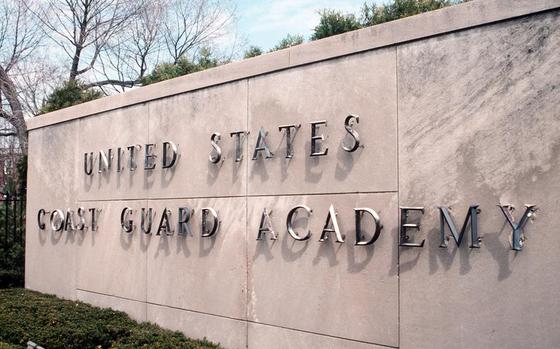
x,y
456,107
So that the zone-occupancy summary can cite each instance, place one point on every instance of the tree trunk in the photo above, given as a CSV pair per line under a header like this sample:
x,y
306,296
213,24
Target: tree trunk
x,y
75,64
15,118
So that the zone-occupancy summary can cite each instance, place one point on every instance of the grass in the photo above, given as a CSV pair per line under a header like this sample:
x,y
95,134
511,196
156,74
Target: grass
x,y
55,323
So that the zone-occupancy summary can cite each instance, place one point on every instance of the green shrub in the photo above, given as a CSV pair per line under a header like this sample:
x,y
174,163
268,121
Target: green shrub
x,y
55,324
70,93
183,66
373,14
11,278
253,51
288,41
333,22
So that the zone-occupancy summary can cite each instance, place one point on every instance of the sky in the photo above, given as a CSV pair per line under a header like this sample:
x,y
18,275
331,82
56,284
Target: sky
x,y
265,22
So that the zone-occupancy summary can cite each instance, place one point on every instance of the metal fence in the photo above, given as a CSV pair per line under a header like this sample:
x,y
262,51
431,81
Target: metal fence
x,y
12,217
12,239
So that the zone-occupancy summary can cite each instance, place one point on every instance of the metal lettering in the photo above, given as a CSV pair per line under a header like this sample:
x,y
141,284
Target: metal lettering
x,y
216,153
105,160
207,231
359,212
94,213
146,217
517,236
331,226
164,223
289,222
69,221
355,136
149,156
82,219
266,226
88,169
445,218
315,145
404,237
60,215
126,223
238,144
166,163
261,145
184,215
289,138
132,156
40,216
119,159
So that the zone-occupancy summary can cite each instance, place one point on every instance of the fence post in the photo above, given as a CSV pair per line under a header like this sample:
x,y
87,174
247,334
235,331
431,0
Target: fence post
x,y
13,203
21,216
6,196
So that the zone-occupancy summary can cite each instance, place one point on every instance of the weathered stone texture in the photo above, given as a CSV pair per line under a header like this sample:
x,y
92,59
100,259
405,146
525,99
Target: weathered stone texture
x,y
50,264
330,288
363,85
478,123
198,273
189,120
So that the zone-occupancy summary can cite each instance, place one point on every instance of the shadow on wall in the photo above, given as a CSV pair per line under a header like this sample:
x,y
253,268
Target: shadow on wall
x,y
330,252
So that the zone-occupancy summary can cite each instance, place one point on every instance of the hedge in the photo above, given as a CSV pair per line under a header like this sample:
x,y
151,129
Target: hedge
x,y
4,345
11,278
55,323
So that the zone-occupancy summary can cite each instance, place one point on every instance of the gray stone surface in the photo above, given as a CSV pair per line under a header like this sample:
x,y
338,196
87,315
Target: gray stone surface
x,y
337,88
200,274
263,336
114,129
111,262
478,124
329,288
50,264
189,120
229,333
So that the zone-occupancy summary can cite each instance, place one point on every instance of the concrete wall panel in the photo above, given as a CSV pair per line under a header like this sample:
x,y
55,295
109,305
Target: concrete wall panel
x,y
50,264
476,125
271,337
325,287
203,274
109,261
363,85
229,333
114,129
189,120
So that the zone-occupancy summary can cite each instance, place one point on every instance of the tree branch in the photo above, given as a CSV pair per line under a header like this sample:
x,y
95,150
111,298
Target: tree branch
x,y
128,83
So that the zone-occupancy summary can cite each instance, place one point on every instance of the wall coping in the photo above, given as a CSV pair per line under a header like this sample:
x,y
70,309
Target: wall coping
x,y
459,17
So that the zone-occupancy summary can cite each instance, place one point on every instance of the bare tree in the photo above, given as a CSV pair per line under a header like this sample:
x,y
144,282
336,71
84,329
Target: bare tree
x,y
163,31
83,28
20,35
128,56
35,78
191,24
112,44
